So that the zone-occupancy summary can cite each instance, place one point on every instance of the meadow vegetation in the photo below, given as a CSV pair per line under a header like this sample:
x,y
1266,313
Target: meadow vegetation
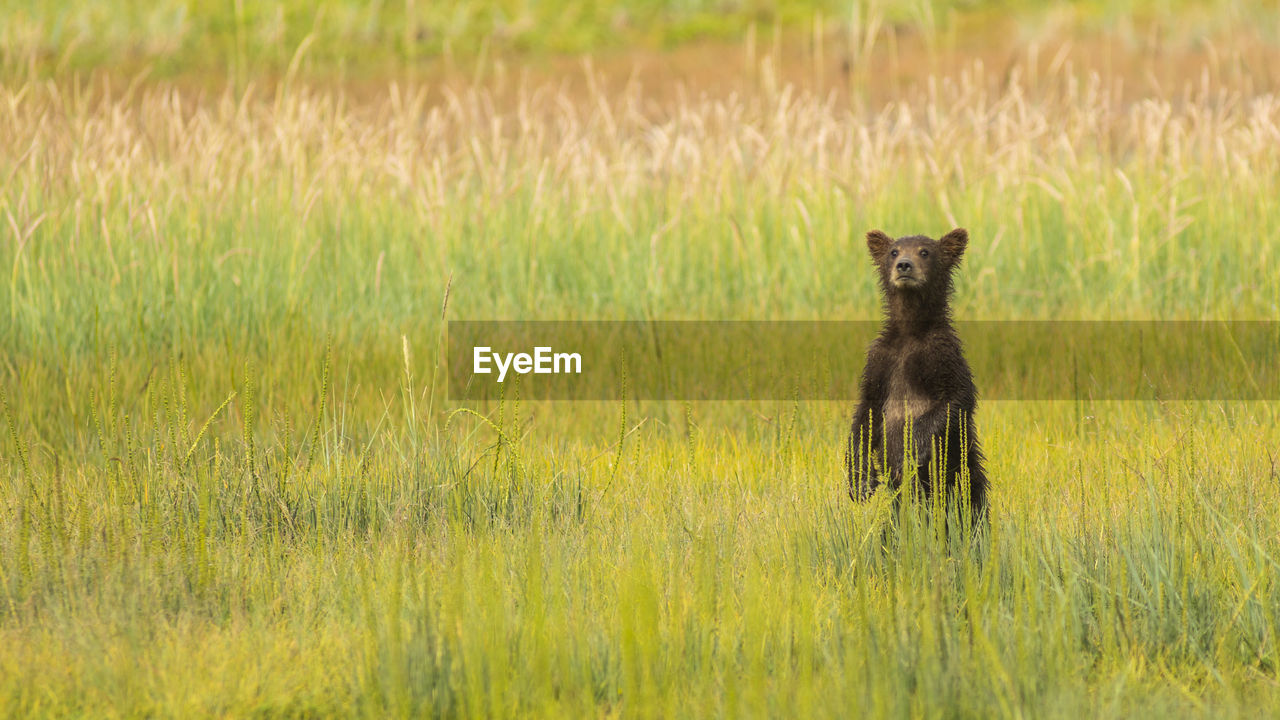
x,y
231,482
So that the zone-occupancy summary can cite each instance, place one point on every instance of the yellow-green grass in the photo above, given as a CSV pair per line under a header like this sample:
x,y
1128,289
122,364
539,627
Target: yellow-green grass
x,y
1130,570
232,484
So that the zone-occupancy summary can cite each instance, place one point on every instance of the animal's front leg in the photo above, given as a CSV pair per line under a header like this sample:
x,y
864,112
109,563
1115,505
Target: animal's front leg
x,y
931,430
862,456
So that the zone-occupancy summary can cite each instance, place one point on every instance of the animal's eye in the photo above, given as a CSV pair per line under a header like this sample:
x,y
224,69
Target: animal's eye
x,y
924,253
893,254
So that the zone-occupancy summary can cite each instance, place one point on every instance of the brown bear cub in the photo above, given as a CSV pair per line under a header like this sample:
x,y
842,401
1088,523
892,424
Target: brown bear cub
x,y
917,395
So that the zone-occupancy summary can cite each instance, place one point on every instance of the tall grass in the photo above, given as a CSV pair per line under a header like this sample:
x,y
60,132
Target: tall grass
x,y
232,484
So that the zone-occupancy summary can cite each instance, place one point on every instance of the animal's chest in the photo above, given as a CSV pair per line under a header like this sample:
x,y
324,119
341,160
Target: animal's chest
x,y
903,399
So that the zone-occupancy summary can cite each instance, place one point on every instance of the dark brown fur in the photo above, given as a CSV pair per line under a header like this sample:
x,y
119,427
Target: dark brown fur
x,y
915,369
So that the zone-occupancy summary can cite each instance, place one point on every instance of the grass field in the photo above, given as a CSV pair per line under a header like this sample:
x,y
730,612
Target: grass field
x,y
232,483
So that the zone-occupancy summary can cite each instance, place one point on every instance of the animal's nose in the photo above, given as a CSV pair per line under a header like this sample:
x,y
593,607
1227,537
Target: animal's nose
x,y
903,266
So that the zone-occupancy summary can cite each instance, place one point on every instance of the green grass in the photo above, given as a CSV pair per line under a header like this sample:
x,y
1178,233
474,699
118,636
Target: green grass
x,y
240,40
179,37
231,483
722,574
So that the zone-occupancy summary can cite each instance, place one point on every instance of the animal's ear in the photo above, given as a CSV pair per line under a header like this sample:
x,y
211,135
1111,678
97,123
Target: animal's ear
x,y
878,243
954,243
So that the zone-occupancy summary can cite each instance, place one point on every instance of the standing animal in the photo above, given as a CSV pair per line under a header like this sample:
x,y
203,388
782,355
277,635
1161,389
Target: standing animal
x,y
917,397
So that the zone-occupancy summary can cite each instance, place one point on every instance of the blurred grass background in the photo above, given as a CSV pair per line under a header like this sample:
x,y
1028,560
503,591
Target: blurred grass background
x,y
354,39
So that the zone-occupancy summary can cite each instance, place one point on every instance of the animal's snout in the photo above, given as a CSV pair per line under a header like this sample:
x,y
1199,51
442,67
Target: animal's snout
x,y
903,266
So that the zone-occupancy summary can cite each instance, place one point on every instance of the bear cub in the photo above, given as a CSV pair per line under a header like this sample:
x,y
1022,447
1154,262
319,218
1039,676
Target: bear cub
x,y
916,381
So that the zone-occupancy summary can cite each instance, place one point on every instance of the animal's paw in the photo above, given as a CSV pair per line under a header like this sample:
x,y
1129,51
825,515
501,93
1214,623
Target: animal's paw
x,y
862,489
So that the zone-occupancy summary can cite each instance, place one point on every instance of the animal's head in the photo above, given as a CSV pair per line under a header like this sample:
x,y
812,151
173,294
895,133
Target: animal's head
x,y
916,263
